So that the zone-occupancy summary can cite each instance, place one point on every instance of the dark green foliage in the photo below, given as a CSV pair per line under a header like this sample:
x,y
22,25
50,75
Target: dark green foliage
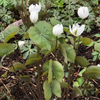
x,y
66,12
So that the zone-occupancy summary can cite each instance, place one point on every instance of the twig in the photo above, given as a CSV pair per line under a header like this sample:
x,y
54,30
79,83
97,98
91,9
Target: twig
x,y
7,89
4,68
95,97
54,56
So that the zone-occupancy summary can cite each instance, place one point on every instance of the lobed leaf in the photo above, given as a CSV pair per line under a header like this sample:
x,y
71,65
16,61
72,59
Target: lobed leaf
x,y
40,40
46,30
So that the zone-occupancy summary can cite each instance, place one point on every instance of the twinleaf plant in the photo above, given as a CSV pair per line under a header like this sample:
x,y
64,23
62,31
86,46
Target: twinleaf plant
x,y
53,58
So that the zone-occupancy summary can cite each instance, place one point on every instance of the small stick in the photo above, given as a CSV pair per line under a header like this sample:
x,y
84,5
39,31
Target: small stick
x,y
7,89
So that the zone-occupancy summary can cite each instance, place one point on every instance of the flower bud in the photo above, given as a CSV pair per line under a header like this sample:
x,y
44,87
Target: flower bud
x,y
77,30
33,16
58,29
83,12
21,43
35,8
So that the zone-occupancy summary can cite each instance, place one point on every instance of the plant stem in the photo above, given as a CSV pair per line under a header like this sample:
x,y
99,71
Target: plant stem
x,y
25,91
39,82
38,52
56,43
78,44
70,76
46,6
33,95
17,2
86,86
74,43
34,89
56,47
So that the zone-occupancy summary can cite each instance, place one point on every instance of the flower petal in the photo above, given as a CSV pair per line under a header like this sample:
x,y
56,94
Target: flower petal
x,y
58,29
31,7
34,17
83,12
80,30
35,8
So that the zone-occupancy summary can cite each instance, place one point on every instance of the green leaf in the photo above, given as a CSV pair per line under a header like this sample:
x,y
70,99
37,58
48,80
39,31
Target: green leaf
x,y
25,78
66,30
92,43
97,35
10,36
76,84
80,81
10,32
97,46
33,58
70,53
82,61
52,49
63,51
62,40
92,72
64,84
38,38
56,89
18,66
54,21
85,41
26,35
46,30
47,90
58,70
82,71
45,73
76,91
4,75
50,71
46,66
72,40
6,49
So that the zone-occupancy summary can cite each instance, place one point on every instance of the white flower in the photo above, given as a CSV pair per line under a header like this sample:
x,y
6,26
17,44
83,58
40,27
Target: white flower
x,y
98,65
21,43
83,12
58,29
76,29
35,8
33,17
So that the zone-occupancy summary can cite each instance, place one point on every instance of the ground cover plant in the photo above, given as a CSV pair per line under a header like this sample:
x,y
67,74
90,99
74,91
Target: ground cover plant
x,y
41,55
